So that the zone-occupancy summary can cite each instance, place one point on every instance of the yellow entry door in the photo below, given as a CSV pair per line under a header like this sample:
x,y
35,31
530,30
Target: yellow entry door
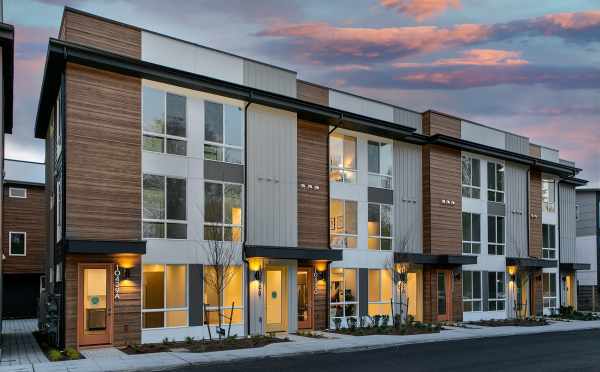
x,y
276,299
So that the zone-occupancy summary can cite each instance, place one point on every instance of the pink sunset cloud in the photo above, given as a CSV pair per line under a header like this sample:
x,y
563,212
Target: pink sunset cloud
x,y
474,57
420,9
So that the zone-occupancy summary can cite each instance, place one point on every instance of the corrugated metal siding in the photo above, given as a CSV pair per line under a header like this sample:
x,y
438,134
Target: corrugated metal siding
x,y
361,106
516,210
586,225
549,154
269,78
483,135
272,177
566,210
408,197
517,144
409,119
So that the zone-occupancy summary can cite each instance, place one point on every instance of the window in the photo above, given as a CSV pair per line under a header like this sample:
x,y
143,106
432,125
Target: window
x,y
496,294
342,158
380,157
164,296
548,242
380,227
344,293
222,211
495,182
548,195
17,243
343,229
471,178
17,192
549,284
471,232
380,292
232,295
496,235
577,212
59,209
223,133
164,122
471,284
59,126
164,207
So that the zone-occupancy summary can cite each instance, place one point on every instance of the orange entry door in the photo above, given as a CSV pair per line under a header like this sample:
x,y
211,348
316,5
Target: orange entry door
x,y
95,304
443,280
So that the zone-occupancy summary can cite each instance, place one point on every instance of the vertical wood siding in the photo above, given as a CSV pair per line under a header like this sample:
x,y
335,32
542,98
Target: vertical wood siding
x,y
408,200
535,213
535,151
269,78
434,123
566,210
516,210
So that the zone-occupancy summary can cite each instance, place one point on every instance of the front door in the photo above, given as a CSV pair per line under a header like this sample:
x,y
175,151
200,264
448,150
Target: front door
x,y
305,298
444,295
95,304
276,299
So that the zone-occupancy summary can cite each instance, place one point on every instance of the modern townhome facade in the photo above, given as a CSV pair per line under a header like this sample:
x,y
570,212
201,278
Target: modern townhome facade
x,y
161,152
24,238
588,248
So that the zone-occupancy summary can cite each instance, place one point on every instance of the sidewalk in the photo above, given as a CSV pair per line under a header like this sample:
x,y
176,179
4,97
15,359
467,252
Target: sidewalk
x,y
18,344
111,359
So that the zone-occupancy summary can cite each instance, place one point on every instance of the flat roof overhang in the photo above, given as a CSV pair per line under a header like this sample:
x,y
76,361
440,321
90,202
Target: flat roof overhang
x,y
105,246
293,253
423,259
530,262
7,43
565,266
574,181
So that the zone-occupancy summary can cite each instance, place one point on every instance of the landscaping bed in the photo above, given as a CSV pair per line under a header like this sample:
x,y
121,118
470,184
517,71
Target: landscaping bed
x,y
380,325
309,334
525,322
202,346
568,313
53,354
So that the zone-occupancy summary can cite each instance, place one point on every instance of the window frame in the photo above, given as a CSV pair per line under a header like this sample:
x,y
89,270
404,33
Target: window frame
x,y
10,243
224,307
344,236
468,189
166,309
547,280
471,242
11,193
165,221
165,136
353,180
549,236
495,189
223,225
223,146
472,300
345,303
381,300
496,244
499,277
380,237
384,181
548,199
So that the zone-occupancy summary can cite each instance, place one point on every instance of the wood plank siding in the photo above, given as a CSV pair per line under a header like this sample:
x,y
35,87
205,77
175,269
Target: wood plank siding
x,y
434,123
103,155
313,205
535,151
312,93
28,215
430,311
535,213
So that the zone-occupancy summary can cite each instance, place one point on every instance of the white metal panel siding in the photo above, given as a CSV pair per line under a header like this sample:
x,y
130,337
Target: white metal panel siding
x,y
550,154
483,135
586,225
269,78
566,162
408,211
516,210
566,210
272,177
188,57
361,106
517,143
408,118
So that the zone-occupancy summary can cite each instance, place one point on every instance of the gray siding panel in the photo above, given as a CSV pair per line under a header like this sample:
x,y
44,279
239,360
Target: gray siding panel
x,y
218,171
517,144
381,196
586,225
363,292
272,177
195,295
408,202
496,209
408,118
485,291
567,232
516,210
269,78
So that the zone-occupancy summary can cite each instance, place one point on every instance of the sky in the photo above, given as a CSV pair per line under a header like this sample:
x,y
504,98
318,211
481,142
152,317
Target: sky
x,y
527,66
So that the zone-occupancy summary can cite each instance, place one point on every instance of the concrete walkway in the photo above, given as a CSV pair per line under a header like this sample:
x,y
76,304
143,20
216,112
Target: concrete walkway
x,y
113,360
19,347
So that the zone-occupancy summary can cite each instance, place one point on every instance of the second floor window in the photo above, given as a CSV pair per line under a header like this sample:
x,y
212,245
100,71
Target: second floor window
x,y
471,231
380,157
471,283
343,226
17,243
223,133
342,158
495,176
496,235
380,222
548,242
164,208
222,211
164,122
471,179
548,195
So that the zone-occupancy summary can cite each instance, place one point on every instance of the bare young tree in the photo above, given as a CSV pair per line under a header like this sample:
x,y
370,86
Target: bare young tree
x,y
398,275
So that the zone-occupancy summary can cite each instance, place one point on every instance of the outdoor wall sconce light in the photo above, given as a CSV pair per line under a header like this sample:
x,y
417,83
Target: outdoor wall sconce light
x,y
512,277
320,275
256,275
125,273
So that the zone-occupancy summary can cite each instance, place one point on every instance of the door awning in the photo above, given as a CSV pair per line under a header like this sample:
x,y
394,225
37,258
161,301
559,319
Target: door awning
x,y
105,246
530,262
293,253
424,259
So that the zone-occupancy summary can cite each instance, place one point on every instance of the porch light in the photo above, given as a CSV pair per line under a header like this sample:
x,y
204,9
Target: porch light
x,y
256,275
512,277
320,276
125,273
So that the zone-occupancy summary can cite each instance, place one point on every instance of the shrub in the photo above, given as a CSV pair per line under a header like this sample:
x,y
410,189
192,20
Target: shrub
x,y
166,341
71,353
385,320
337,322
376,319
189,340
54,355
351,323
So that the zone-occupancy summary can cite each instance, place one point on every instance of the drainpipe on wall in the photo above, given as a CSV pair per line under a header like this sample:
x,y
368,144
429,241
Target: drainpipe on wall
x,y
559,276
244,259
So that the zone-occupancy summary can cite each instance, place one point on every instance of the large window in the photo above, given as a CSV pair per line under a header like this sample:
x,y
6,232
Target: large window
x,y
231,297
471,177
548,195
496,235
380,223
471,233
223,133
495,176
549,285
222,211
59,208
59,126
164,292
164,122
380,292
471,283
380,157
343,227
496,293
344,293
342,158
164,207
549,242
17,242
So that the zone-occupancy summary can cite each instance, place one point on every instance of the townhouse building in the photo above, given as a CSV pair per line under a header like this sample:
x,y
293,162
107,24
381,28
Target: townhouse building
x,y
588,248
159,151
24,238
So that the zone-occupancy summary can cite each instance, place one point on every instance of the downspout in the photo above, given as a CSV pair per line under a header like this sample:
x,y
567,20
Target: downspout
x,y
244,259
531,283
560,281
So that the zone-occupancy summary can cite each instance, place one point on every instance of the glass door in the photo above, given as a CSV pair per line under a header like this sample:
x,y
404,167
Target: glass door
x,y
304,289
444,296
95,304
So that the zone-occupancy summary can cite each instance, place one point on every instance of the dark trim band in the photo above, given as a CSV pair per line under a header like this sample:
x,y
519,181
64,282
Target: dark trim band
x,y
7,43
105,246
293,253
574,266
533,263
417,258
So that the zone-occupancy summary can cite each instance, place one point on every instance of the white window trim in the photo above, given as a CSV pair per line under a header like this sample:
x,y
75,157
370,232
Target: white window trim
x,y
471,187
165,309
381,237
345,235
344,303
503,245
10,234
11,192
164,135
548,250
549,298
498,299
343,169
381,175
493,187
223,305
549,205
165,221
224,145
473,300
471,242
381,301
224,225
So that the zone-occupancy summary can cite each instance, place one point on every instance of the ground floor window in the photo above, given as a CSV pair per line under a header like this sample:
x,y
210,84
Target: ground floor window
x,y
496,293
344,293
380,292
232,303
471,283
164,296
549,284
